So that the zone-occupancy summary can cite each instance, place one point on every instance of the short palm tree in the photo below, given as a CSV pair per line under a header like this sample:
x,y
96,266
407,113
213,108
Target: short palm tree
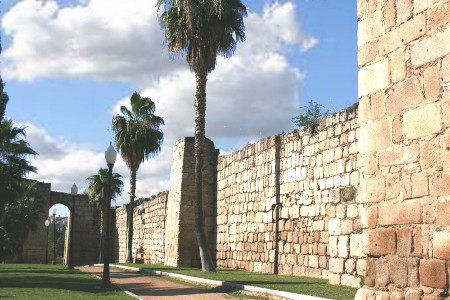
x,y
137,138
97,191
13,163
202,29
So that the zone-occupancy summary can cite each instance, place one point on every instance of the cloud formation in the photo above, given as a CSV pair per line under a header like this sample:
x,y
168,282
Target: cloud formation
x,y
249,96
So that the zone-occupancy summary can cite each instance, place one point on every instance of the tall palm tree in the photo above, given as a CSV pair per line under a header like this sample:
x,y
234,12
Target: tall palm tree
x,y
202,29
3,100
138,137
13,163
97,191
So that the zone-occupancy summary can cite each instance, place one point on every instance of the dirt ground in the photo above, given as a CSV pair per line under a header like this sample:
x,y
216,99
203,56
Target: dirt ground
x,y
152,287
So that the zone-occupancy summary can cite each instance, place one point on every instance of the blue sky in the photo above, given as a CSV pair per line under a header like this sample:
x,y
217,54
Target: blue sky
x,y
68,66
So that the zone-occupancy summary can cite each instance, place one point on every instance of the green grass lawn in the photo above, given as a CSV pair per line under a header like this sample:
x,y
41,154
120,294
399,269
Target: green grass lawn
x,y
294,284
51,282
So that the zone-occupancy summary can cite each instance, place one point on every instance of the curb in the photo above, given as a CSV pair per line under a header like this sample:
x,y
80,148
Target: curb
x,y
124,290
236,286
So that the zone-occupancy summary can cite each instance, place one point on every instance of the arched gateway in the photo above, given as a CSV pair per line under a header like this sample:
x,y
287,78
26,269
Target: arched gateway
x,y
86,228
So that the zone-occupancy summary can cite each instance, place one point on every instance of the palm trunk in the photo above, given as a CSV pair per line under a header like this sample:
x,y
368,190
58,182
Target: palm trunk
x,y
130,216
200,112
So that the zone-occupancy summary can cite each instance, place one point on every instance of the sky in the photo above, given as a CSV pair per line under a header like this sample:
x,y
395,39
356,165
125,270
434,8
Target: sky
x,y
69,65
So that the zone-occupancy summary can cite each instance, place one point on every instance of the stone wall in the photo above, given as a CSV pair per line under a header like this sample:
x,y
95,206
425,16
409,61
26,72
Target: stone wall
x,y
404,112
148,230
300,190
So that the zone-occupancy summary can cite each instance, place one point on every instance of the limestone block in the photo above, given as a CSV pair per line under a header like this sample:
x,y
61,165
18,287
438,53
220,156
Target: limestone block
x,y
422,5
369,216
367,53
432,84
398,271
402,35
347,194
381,273
440,185
408,212
446,69
361,268
413,271
396,295
346,226
379,242
374,136
356,245
352,211
432,273
445,144
374,190
349,280
318,225
334,279
350,265
340,211
441,244
431,48
343,248
336,265
333,246
334,227
392,186
413,294
372,78
364,294
389,14
404,241
405,96
404,10
430,155
443,217
314,261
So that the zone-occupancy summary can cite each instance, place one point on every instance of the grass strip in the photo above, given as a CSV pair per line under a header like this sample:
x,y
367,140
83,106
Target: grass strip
x,y
52,282
294,284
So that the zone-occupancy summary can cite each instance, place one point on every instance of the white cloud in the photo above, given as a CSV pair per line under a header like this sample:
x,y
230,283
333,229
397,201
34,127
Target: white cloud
x,y
249,96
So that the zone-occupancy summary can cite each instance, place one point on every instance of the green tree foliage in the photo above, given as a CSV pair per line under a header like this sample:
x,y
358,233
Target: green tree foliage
x,y
13,163
98,191
202,30
21,217
137,137
311,116
3,100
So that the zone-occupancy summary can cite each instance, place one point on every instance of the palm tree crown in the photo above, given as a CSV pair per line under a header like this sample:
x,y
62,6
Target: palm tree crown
x,y
98,186
203,29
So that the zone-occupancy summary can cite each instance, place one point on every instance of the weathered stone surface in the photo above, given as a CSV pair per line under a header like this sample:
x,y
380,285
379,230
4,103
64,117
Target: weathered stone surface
x,y
356,245
432,82
369,216
406,95
404,242
413,294
419,185
373,77
441,244
443,217
398,271
336,265
334,279
431,48
343,248
432,273
422,121
396,295
382,273
375,136
378,242
350,280
408,212
413,272
441,185
367,53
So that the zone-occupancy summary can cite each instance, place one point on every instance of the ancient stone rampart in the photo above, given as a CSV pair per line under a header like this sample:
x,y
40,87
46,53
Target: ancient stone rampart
x,y
404,144
300,190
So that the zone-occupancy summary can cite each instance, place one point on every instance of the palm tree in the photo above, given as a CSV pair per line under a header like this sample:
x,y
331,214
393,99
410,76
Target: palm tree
x,y
138,137
13,165
3,100
97,191
202,29
21,217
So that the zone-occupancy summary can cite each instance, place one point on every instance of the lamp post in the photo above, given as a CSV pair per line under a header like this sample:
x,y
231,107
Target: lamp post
x,y
110,156
54,235
74,192
47,223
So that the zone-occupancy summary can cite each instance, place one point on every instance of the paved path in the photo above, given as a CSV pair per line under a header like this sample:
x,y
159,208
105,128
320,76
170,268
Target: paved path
x,y
152,287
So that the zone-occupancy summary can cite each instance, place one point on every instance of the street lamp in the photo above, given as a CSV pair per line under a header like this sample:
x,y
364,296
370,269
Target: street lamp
x,y
54,235
47,223
110,156
74,192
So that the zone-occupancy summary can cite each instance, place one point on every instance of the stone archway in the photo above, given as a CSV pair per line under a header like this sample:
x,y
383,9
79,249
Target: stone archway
x,y
86,228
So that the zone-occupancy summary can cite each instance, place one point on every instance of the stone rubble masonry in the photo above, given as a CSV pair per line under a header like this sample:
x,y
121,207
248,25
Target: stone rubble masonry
x,y
404,148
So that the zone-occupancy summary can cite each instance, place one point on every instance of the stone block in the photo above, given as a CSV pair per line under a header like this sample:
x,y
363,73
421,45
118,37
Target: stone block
x,y
430,155
399,156
446,69
429,214
404,241
364,294
432,273
334,227
333,242
382,273
441,244
343,249
375,136
373,77
445,146
413,294
350,265
438,17
347,226
398,271
443,215
352,211
396,295
422,5
431,48
405,96
367,53
389,14
356,245
392,186
408,212
377,106
374,190
440,185
379,242
419,185
334,279
402,35
336,265
369,216
404,10
397,132
413,272
347,194
422,121
352,281
432,82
